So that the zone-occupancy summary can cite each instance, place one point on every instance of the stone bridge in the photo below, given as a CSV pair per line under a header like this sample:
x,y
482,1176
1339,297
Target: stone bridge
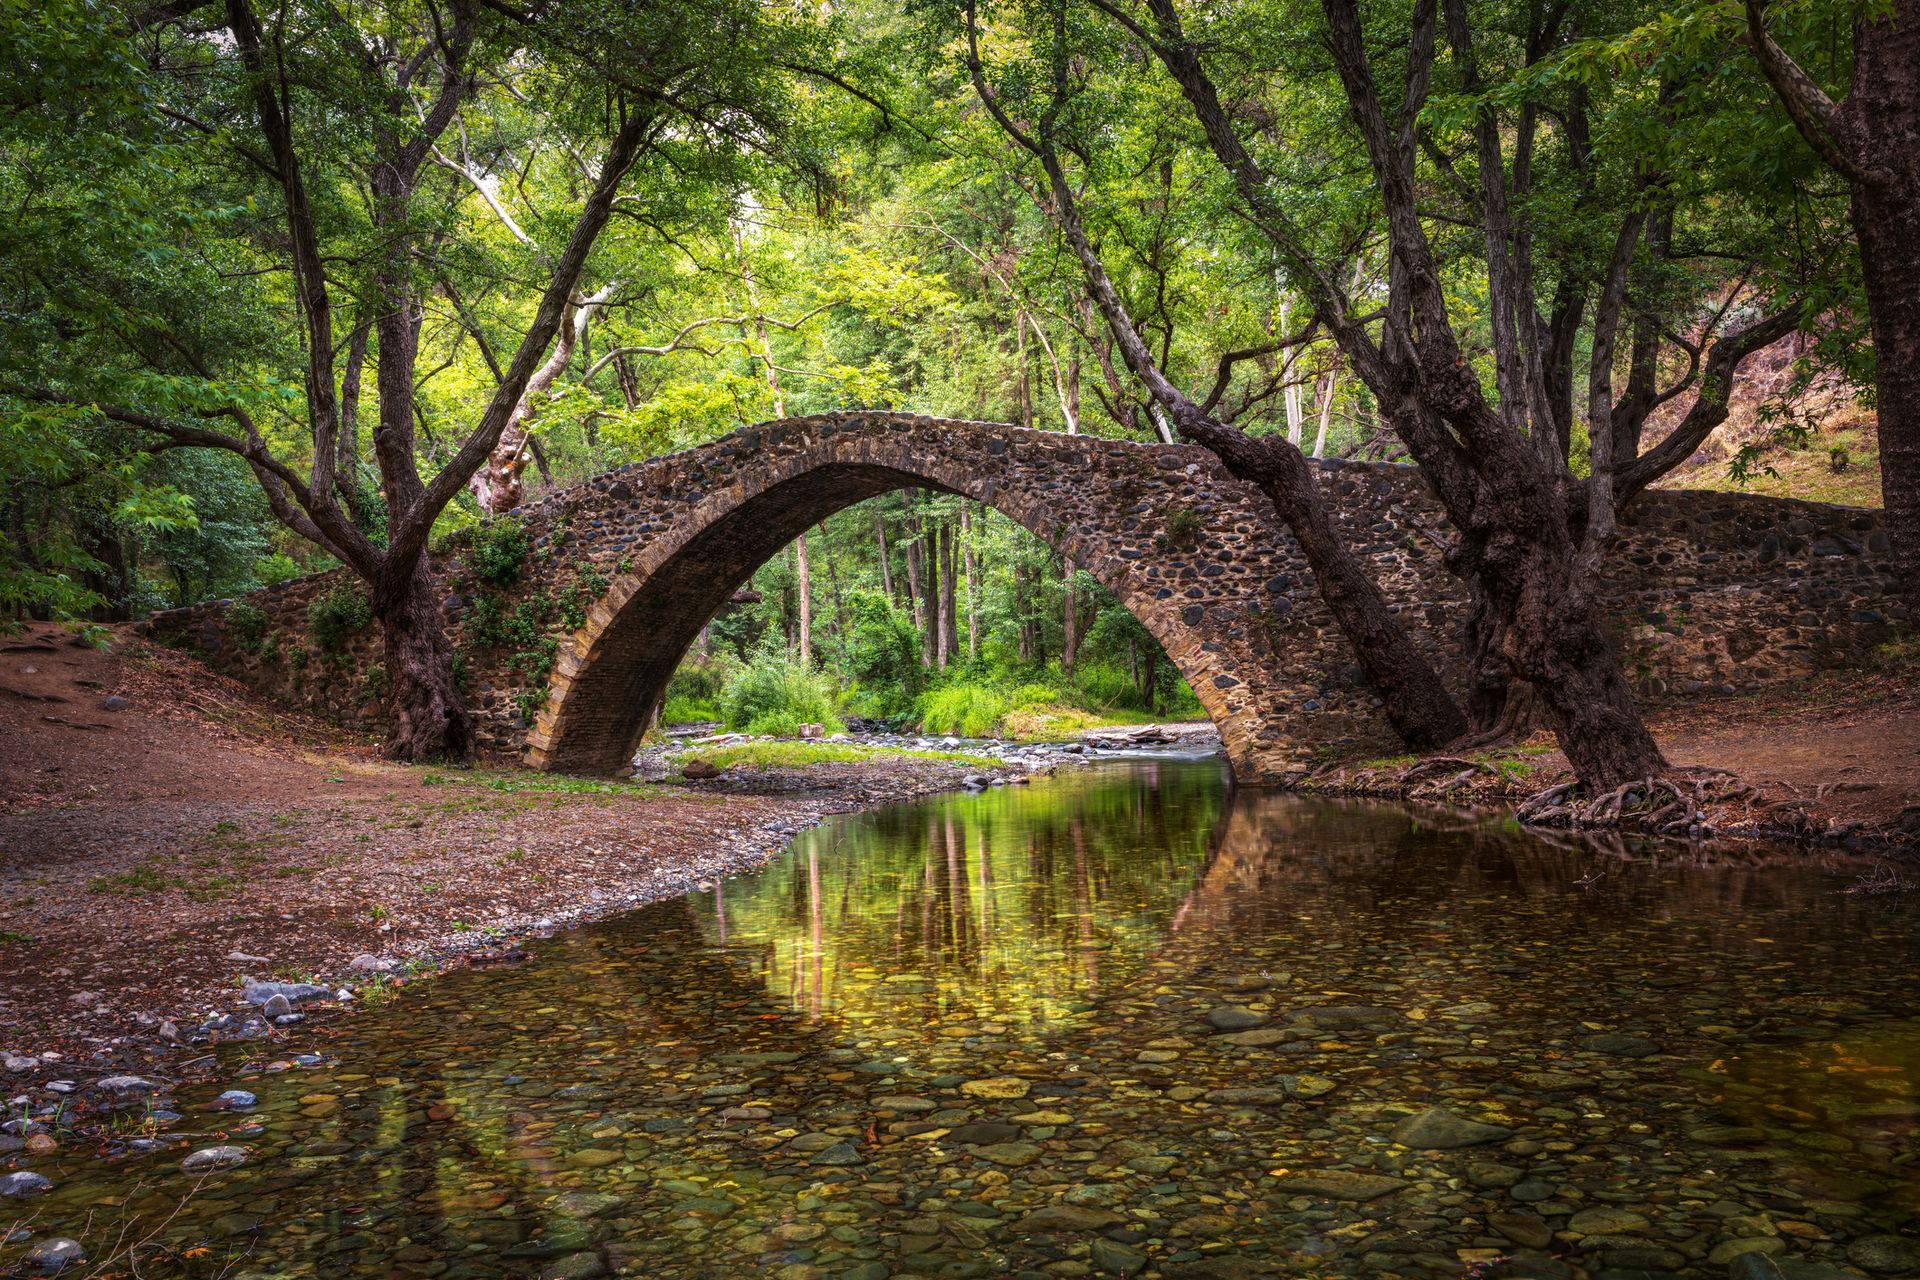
x,y
1712,592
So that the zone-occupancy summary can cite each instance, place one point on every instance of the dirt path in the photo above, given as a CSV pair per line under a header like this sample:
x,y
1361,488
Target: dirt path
x,y
1836,762
1847,750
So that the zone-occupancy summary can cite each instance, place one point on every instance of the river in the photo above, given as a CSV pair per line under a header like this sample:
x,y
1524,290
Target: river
x,y
1124,1021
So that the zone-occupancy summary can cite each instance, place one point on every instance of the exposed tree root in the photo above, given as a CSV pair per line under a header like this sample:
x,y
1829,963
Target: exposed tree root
x,y
1689,801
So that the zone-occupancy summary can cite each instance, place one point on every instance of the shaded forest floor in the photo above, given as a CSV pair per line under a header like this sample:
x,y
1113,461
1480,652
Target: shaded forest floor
x,y
163,835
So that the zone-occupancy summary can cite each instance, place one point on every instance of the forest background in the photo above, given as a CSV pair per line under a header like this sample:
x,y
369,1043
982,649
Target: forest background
x,y
831,221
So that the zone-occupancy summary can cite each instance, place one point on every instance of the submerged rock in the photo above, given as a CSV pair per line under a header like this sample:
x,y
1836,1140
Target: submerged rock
x,y
24,1184
54,1255
210,1159
1437,1129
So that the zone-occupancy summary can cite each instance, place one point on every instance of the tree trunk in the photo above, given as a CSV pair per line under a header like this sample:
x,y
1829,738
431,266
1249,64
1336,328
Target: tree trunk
x,y
950,589
803,583
1503,707
1887,221
973,584
941,592
1025,632
1070,621
346,467
917,595
1326,415
1417,704
429,717
886,568
1583,693
1873,139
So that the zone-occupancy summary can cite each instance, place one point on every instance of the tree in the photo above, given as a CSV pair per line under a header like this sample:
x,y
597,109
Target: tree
x,y
1531,536
1872,139
1415,700
341,115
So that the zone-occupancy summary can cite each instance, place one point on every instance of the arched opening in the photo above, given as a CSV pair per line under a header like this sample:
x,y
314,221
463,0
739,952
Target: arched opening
x,y
609,688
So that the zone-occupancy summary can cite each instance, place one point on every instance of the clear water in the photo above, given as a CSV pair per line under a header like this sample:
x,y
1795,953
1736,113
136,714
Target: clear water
x,y
812,1071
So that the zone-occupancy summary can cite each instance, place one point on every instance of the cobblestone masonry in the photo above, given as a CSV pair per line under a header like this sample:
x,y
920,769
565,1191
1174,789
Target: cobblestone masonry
x,y
1714,593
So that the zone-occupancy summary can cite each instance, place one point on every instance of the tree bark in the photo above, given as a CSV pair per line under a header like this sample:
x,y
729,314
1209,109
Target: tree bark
x,y
917,597
1873,140
886,567
1070,621
429,718
803,583
1886,217
940,556
973,584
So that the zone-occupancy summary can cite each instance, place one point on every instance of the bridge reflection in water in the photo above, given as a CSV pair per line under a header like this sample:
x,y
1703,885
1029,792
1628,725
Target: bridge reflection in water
x,y
1123,1019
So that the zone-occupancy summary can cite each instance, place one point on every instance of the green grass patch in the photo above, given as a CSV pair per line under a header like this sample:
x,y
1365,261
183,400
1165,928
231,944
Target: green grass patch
x,y
798,755
536,784
682,709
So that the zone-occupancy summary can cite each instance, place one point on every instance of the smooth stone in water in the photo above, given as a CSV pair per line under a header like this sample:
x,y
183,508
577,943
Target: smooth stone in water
x,y
25,1183
1114,1257
1606,1221
55,1254
1522,1228
1233,1017
1015,1155
1622,1046
840,1153
1727,1250
997,1087
1067,1217
1886,1255
1341,1184
236,1098
575,1266
1761,1266
1437,1129
208,1159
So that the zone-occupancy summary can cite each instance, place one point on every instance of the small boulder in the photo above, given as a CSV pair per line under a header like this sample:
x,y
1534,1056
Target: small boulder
x,y
24,1184
236,1099
54,1255
125,1085
1437,1129
698,771
210,1159
1233,1017
1066,1217
114,702
1886,1255
295,992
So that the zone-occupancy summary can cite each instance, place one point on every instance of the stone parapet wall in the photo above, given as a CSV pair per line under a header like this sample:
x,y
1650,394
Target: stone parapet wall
x,y
1713,593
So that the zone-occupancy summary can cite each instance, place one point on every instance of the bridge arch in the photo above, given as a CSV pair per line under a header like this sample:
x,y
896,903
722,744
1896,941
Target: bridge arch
x,y
1191,553
1766,590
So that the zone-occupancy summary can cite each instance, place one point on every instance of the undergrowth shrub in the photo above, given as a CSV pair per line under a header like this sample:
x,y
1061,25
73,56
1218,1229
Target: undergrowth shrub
x,y
335,617
775,694
497,549
967,710
246,624
695,691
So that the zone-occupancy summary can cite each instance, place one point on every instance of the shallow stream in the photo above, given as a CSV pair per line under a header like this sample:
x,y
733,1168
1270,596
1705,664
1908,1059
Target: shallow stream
x,y
1120,1022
